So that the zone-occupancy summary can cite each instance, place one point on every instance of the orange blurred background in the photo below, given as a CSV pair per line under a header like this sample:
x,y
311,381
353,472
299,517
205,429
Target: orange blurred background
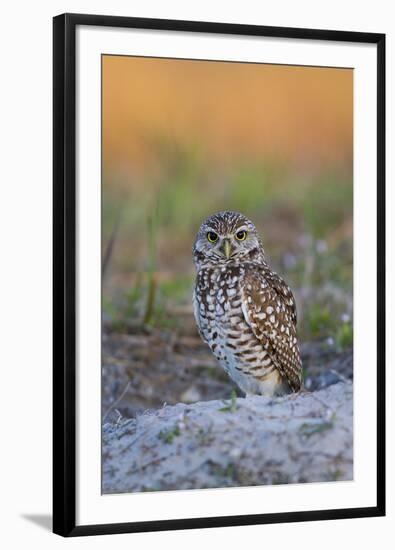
x,y
301,115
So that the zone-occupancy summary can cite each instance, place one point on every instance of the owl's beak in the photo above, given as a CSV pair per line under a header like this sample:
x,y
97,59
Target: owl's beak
x,y
227,248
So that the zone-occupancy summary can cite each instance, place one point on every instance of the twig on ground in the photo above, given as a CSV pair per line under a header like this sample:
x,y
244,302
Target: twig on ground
x,y
340,376
115,403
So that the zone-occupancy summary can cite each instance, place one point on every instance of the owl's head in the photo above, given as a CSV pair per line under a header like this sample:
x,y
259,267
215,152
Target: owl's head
x,y
227,237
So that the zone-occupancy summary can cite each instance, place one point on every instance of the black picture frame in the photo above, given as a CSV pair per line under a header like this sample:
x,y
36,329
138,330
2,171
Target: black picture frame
x,y
64,272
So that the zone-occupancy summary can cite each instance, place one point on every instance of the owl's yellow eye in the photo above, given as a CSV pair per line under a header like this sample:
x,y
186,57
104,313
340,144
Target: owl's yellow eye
x,y
241,235
212,237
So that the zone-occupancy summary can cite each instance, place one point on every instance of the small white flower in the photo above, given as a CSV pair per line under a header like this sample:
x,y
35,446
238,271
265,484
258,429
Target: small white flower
x,y
289,260
321,246
345,318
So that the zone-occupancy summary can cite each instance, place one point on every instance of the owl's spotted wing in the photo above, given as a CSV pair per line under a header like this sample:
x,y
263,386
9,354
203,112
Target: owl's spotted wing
x,y
283,290
269,309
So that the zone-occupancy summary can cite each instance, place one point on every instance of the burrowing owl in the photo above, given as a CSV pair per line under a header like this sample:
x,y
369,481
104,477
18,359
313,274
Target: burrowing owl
x,y
244,311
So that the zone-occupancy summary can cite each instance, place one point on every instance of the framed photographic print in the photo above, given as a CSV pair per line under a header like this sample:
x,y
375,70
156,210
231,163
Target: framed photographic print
x,y
218,274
